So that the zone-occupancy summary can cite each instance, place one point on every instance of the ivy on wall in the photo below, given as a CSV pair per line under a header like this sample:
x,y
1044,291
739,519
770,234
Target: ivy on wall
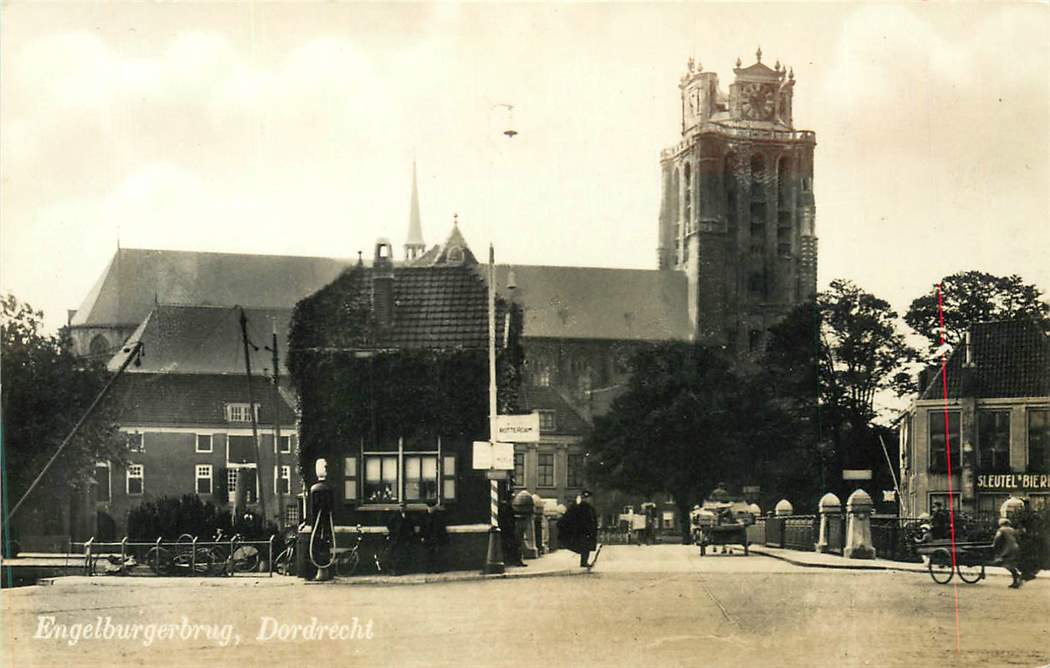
x,y
351,388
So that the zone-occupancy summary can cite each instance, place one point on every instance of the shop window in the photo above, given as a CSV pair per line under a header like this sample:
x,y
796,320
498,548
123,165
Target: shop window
x,y
349,479
204,443
1039,501
545,470
282,484
940,441
574,471
993,440
103,493
519,469
942,498
381,479
1039,440
203,478
448,478
989,504
421,478
136,480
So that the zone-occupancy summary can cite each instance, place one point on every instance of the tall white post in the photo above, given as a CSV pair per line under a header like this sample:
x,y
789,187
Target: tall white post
x,y
494,556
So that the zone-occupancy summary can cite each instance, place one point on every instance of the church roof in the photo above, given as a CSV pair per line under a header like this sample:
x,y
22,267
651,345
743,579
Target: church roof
x,y
207,340
137,279
600,303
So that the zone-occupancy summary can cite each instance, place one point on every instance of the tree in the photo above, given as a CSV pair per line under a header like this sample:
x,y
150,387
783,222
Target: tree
x,y
975,296
674,428
46,389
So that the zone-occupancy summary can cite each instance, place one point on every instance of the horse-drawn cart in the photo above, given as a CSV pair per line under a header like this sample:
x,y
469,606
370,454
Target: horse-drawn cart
x,y
721,534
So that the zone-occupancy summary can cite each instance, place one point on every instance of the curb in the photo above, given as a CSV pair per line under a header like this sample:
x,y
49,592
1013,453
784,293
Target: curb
x,y
408,580
847,567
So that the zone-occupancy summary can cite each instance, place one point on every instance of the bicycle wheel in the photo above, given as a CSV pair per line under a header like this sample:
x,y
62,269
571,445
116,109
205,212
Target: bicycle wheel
x,y
346,563
245,559
940,566
970,573
159,561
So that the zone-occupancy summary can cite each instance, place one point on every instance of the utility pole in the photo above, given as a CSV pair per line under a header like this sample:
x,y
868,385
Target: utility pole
x,y
494,557
251,412
277,432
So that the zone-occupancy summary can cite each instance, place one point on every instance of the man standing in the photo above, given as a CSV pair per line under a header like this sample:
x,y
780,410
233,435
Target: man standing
x,y
435,537
402,537
578,528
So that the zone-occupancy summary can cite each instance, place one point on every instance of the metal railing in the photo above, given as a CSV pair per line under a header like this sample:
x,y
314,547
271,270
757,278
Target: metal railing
x,y
186,556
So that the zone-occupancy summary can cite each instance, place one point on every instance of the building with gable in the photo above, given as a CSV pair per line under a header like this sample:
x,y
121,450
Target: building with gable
x,y
997,427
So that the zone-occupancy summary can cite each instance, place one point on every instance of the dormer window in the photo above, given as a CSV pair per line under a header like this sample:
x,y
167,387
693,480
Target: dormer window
x,y
455,255
240,413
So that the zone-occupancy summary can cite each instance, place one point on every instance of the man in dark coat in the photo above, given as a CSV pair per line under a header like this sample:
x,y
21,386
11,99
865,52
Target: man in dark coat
x,y
508,535
402,537
435,537
578,528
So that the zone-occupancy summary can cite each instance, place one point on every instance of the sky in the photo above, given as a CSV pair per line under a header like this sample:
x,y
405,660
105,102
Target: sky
x,y
292,129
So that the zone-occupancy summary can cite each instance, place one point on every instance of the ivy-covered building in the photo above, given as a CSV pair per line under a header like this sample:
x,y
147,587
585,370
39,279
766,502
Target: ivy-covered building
x,y
391,368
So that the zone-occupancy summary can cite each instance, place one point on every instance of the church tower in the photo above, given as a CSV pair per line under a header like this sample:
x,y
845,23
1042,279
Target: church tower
x,y
414,246
737,209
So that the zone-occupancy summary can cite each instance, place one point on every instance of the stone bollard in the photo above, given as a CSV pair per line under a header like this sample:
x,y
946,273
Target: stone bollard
x,y
858,527
1011,508
830,509
784,508
755,512
524,524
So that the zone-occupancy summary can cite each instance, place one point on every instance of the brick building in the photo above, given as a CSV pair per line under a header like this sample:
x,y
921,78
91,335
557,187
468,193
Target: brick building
x,y
998,424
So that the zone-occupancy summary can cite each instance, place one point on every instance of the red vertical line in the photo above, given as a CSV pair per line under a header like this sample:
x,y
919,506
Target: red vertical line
x,y
948,448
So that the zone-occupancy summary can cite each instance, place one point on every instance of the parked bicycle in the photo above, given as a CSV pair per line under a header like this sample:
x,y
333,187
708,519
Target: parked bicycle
x,y
228,557
182,559
347,561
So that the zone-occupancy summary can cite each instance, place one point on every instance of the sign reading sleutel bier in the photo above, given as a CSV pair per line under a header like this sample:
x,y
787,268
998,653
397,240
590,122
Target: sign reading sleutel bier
x,y
1008,481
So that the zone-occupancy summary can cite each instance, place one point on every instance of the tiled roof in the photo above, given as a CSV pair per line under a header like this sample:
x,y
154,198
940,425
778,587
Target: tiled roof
x,y
443,306
567,420
1011,358
207,340
187,400
137,279
598,303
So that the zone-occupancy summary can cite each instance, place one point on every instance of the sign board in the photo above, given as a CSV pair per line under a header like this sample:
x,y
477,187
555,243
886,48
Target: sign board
x,y
751,489
1014,481
496,474
889,496
493,455
856,474
518,428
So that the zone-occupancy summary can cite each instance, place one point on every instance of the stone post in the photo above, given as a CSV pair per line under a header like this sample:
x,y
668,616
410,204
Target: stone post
x,y
858,527
541,524
784,508
524,524
830,507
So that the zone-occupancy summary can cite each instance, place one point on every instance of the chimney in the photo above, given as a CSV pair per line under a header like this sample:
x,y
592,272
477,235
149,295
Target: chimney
x,y
383,284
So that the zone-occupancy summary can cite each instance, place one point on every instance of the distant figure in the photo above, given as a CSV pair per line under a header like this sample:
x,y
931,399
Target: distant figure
x,y
435,537
578,528
508,535
1007,551
940,521
402,537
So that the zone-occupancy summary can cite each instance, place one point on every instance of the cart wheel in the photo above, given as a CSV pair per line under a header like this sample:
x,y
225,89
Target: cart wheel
x,y
970,574
940,566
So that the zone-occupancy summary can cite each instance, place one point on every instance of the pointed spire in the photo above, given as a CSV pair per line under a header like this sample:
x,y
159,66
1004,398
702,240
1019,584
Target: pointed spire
x,y
758,54
738,61
414,245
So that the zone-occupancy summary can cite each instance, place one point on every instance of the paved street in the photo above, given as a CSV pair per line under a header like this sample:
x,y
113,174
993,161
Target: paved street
x,y
660,604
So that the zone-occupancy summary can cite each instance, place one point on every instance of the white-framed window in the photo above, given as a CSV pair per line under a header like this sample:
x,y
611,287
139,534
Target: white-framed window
x,y
448,478
349,479
103,481
252,489
231,481
135,484
519,469
204,443
381,479
282,484
548,420
421,477
1039,440
238,412
136,441
993,440
291,515
287,443
203,477
545,469
941,439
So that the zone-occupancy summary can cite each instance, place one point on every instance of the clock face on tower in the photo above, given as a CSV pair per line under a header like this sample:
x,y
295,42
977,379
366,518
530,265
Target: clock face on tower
x,y
757,102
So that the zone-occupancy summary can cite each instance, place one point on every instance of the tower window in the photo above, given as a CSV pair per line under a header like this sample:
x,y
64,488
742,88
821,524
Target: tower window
x,y
688,203
729,182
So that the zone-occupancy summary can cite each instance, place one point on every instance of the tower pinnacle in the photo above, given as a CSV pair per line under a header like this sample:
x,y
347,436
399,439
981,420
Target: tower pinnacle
x,y
414,246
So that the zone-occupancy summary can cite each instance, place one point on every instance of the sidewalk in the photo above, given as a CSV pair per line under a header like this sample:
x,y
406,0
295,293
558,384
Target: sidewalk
x,y
821,560
561,562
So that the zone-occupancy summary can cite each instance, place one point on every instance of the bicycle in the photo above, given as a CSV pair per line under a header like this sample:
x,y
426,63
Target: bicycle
x,y
285,562
164,561
239,559
346,562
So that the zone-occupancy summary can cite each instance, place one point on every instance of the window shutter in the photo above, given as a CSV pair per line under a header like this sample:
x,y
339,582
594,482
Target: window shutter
x,y
448,478
349,479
